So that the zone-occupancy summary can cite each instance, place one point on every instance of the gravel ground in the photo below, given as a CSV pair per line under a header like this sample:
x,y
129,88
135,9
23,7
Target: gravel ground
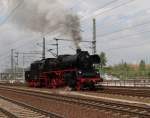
x,y
65,109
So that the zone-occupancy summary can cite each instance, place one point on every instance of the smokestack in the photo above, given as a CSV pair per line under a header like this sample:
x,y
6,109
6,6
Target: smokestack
x,y
78,50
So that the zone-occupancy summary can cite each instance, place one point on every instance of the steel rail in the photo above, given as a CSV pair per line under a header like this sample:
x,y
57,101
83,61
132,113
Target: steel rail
x,y
126,91
7,113
143,112
48,114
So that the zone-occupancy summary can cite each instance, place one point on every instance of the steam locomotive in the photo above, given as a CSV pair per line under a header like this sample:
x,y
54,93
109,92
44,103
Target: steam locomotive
x,y
76,71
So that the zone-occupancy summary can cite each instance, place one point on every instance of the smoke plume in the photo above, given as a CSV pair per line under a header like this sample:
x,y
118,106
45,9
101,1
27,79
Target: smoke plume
x,y
47,16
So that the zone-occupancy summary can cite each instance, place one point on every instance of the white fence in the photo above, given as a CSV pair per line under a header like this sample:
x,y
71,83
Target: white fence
x,y
128,83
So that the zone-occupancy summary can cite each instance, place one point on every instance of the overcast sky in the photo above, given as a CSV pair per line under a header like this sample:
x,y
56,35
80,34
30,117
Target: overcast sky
x,y
123,29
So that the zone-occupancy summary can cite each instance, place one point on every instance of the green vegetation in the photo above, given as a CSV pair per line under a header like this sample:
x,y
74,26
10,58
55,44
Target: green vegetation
x,y
129,71
124,70
103,59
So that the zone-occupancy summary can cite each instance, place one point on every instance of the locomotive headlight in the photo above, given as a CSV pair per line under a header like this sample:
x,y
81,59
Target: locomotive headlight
x,y
80,72
87,56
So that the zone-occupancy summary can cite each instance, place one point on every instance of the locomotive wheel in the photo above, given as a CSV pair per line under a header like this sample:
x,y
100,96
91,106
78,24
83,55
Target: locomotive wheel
x,y
70,81
72,84
73,88
53,83
66,78
79,87
92,86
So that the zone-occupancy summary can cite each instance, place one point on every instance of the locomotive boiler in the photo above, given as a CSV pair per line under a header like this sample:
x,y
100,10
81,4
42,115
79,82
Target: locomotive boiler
x,y
76,71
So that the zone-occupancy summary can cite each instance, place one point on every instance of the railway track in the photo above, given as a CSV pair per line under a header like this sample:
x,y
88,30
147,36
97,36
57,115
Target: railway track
x,y
123,108
128,91
129,87
139,92
14,109
5,114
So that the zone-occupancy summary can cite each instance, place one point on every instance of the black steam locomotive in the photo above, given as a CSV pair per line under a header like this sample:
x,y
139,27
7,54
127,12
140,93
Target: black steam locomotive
x,y
76,71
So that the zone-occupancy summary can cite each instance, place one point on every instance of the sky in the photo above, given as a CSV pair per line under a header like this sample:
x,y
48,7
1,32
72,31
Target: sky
x,y
123,29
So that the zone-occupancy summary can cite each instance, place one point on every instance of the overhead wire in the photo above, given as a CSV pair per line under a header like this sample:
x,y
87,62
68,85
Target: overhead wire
x,y
9,15
27,44
130,1
129,46
107,4
124,37
106,34
106,11
111,2
12,11
124,29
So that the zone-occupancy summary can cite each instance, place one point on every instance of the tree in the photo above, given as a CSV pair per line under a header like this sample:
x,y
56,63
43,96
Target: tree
x,y
142,65
142,68
103,59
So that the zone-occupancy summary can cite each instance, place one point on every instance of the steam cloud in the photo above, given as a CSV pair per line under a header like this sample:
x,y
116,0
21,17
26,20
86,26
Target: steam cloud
x,y
47,16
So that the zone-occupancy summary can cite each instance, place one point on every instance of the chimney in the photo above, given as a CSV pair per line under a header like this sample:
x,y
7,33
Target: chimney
x,y
78,50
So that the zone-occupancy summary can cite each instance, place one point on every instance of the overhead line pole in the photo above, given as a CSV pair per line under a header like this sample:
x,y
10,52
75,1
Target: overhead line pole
x,y
43,54
23,68
94,37
12,63
57,53
57,46
16,65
